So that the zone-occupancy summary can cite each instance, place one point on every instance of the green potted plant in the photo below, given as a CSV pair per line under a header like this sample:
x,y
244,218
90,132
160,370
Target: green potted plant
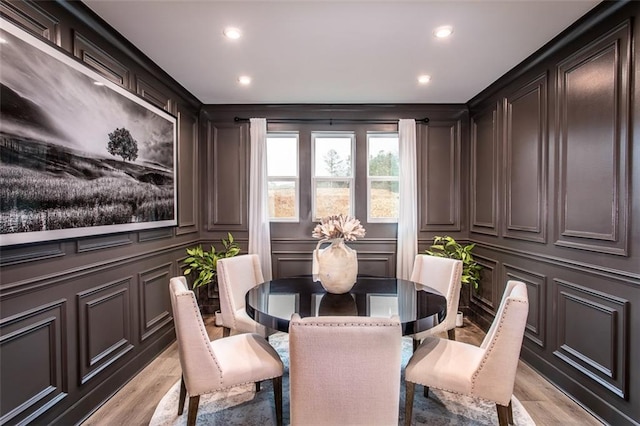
x,y
446,246
203,264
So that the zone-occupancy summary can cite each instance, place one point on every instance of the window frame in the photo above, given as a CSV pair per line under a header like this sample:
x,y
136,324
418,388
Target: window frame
x,y
350,179
295,180
370,179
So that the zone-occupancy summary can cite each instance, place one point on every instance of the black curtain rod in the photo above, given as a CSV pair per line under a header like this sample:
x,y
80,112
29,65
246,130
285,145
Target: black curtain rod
x,y
332,121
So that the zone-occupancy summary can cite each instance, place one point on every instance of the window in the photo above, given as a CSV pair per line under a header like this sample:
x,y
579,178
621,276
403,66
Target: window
x,y
382,177
282,172
332,174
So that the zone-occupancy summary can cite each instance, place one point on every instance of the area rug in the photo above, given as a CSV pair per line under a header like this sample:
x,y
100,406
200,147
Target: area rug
x,y
242,406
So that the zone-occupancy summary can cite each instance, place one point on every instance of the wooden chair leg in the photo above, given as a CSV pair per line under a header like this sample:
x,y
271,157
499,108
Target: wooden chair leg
x,y
193,410
257,387
183,396
226,331
451,334
410,389
510,407
503,414
416,343
277,396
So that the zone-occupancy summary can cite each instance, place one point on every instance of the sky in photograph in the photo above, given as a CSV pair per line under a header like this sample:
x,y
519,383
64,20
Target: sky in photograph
x,y
84,112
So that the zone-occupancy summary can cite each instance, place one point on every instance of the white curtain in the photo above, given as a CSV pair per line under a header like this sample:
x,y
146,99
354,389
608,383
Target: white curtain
x,y
408,208
259,233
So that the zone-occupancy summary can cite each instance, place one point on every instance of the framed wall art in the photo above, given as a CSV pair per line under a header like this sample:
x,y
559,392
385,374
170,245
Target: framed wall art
x,y
79,155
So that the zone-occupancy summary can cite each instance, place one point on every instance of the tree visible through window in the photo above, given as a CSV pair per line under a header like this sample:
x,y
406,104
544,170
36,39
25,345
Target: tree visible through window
x,y
336,165
332,173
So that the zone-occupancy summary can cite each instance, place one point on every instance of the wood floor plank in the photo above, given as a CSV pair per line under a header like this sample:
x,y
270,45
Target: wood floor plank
x,y
135,403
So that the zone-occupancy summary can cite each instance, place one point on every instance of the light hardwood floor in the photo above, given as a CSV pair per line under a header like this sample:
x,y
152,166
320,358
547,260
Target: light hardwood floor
x,y
135,403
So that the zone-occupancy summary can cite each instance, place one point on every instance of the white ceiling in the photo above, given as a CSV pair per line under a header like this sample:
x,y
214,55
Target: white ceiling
x,y
306,51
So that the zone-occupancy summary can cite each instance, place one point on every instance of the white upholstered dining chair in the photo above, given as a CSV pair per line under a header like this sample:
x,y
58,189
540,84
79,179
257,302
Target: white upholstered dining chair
x,y
444,275
344,370
210,366
488,371
236,276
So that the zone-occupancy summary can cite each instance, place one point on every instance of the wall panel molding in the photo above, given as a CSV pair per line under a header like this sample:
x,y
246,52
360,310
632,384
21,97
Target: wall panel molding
x,y
583,313
32,18
525,159
188,177
30,253
287,264
594,93
100,61
152,94
293,256
17,288
601,271
377,264
440,179
291,265
227,165
488,295
155,234
104,327
484,172
102,242
153,298
537,291
39,381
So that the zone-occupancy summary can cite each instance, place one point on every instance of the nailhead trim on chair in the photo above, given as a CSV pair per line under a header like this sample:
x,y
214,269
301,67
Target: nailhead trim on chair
x,y
229,302
203,332
493,341
458,273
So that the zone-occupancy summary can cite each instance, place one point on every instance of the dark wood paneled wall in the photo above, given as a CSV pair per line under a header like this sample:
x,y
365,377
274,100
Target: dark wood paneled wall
x,y
441,178
80,317
554,187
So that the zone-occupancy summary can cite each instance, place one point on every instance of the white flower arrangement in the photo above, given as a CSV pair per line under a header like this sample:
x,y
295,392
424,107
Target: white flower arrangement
x,y
339,226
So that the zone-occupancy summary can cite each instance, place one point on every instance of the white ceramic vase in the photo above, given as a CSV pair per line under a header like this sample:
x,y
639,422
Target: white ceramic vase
x,y
336,266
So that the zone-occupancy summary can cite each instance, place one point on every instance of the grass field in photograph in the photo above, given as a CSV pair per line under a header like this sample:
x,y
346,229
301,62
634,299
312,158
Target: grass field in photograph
x,y
78,192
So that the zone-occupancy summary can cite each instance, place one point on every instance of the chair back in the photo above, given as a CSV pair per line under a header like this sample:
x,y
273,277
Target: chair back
x,y
236,276
495,377
194,348
444,275
344,370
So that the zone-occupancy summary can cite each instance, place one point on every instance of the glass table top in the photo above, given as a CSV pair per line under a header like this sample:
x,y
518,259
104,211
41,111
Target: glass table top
x,y
418,306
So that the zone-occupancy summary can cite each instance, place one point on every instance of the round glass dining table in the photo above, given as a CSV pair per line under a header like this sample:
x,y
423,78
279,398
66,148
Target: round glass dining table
x,y
418,306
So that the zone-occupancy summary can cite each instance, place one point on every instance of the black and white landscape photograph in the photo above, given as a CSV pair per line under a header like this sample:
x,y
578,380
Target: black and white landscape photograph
x,y
79,155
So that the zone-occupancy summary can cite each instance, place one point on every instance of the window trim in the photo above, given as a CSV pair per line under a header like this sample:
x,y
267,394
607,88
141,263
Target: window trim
x,y
350,179
295,179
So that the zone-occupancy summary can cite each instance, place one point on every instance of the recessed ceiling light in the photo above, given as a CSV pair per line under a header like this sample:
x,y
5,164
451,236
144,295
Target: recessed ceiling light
x,y
98,83
245,80
443,32
232,33
3,41
424,79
